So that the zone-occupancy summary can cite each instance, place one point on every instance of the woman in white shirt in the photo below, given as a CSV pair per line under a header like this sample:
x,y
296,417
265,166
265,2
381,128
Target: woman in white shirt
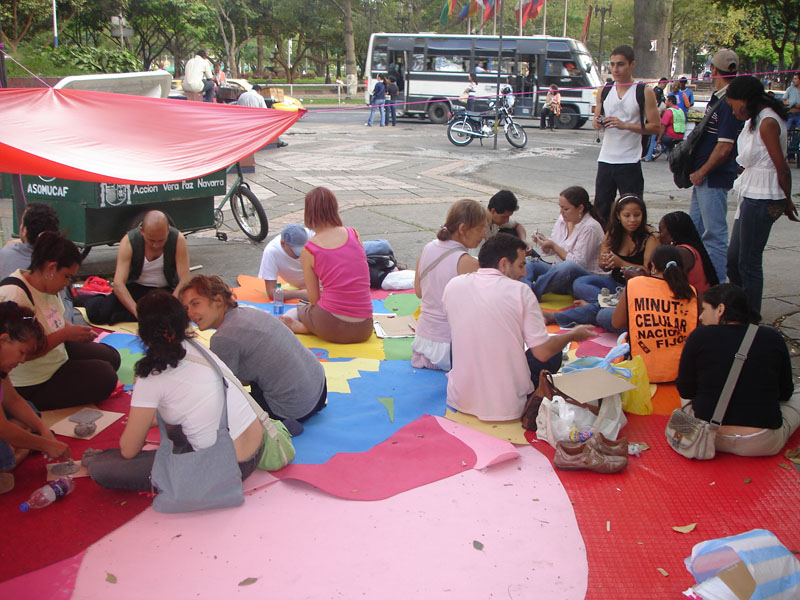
x,y
188,396
765,186
574,246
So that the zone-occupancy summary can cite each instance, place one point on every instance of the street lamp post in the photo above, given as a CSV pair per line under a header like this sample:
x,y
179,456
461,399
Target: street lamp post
x,y
603,10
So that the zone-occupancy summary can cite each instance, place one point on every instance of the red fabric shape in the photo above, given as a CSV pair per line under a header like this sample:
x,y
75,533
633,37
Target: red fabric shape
x,y
93,286
661,489
419,453
116,138
42,537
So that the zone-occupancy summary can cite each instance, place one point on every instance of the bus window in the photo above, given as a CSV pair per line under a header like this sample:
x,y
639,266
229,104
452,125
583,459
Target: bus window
x,y
379,60
558,50
563,72
418,62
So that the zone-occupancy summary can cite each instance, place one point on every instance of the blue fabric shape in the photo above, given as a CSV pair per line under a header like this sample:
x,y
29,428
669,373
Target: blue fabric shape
x,y
356,422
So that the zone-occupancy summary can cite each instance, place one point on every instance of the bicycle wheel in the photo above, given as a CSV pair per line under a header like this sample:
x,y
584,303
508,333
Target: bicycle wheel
x,y
516,135
249,213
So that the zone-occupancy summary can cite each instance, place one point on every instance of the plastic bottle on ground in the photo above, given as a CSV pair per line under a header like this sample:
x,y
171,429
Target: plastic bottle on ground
x,y
277,300
47,494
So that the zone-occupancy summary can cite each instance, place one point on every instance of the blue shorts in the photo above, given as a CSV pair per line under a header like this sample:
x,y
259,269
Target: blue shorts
x,y
7,461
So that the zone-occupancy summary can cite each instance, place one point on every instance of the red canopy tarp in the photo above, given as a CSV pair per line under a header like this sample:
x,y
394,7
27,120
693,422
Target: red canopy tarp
x,y
116,138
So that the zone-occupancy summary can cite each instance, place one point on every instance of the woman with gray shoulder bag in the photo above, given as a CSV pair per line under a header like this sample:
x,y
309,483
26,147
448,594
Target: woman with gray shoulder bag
x,y
738,377
211,436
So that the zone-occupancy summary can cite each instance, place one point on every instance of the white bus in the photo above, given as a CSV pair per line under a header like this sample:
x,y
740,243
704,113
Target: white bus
x,y
432,72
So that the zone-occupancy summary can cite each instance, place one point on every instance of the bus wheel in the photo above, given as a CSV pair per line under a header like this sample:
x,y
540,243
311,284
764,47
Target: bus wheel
x,y
437,112
568,119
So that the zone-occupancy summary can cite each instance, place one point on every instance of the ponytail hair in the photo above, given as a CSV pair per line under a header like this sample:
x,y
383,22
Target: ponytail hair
x,y
668,261
467,212
163,326
751,90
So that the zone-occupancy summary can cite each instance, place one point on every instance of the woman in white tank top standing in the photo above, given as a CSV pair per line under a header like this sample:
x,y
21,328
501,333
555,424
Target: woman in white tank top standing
x,y
765,186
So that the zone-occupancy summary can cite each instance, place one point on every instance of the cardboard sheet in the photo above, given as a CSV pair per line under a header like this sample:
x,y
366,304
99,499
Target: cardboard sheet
x,y
510,431
81,472
393,326
66,427
590,384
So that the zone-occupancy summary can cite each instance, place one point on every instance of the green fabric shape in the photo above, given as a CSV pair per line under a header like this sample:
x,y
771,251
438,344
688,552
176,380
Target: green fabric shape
x,y
389,404
127,365
397,348
402,304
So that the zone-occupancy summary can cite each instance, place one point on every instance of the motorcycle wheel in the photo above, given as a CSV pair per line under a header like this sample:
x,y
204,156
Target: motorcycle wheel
x,y
516,135
456,135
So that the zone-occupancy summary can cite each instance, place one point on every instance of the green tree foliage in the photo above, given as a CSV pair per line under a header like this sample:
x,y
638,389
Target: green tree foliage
x,y
777,21
23,19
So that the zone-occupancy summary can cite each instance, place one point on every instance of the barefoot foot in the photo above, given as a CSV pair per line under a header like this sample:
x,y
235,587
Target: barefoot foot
x,y
293,324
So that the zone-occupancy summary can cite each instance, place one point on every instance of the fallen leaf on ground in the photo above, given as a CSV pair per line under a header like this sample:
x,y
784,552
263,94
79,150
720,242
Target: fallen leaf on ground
x,y
111,578
747,480
793,455
248,581
785,466
477,545
662,571
685,528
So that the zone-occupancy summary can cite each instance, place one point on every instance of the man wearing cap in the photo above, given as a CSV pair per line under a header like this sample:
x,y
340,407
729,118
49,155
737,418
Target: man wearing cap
x,y
197,76
715,164
281,258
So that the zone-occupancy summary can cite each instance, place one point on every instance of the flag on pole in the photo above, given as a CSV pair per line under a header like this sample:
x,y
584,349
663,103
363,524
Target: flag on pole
x,y
470,10
586,24
530,10
489,12
448,9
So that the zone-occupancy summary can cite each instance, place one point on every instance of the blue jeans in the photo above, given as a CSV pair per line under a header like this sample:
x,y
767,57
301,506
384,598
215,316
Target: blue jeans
x,y
748,239
557,278
651,148
379,105
591,314
587,288
709,210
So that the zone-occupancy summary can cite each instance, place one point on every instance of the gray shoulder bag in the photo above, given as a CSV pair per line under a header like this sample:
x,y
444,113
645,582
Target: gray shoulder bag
x,y
202,479
695,438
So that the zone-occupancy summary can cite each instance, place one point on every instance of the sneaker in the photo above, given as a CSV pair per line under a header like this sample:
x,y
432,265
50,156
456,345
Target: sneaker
x,y
367,125
584,457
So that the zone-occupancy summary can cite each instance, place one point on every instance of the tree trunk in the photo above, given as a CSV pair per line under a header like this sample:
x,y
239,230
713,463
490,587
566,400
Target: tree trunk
x,y
260,55
350,50
651,19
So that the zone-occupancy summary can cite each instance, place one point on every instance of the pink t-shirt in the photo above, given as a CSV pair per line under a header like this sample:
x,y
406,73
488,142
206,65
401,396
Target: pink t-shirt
x,y
491,319
432,322
344,276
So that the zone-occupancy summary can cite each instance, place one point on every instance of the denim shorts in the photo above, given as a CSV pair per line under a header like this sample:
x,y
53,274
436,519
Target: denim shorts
x,y
7,461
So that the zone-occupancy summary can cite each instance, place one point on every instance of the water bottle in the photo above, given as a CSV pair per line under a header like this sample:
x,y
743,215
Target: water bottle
x,y
277,300
47,494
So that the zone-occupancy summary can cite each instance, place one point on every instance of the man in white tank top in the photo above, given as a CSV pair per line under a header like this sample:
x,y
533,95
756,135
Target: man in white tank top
x,y
619,169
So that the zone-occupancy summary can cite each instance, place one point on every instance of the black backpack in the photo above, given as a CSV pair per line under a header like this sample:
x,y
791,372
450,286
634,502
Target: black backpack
x,y
640,101
380,265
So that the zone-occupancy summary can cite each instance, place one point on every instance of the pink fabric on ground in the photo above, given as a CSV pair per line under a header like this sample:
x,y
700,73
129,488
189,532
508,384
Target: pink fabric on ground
x,y
417,544
419,453
54,582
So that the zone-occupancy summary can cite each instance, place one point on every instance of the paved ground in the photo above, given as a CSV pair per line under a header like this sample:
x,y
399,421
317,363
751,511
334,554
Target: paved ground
x,y
397,183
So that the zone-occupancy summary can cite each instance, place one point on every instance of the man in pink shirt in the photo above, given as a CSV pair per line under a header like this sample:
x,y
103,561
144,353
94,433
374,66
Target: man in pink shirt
x,y
492,317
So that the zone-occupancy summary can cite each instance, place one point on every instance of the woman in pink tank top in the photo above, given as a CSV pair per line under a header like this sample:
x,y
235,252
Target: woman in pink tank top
x,y
440,261
336,274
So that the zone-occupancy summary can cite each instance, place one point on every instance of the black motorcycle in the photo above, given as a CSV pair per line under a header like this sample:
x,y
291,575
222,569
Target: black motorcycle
x,y
465,126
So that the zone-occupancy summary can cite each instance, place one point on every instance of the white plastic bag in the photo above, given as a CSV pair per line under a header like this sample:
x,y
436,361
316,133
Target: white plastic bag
x,y
399,280
556,419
